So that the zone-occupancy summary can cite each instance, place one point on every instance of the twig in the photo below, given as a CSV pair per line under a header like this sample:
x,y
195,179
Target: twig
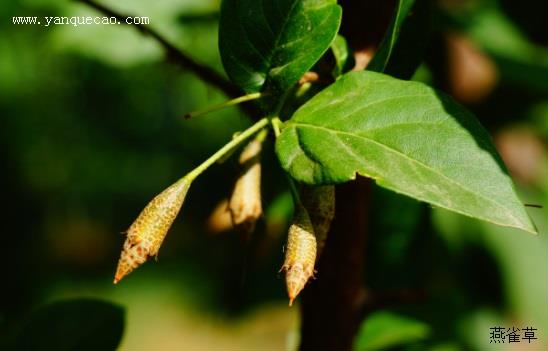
x,y
235,142
174,54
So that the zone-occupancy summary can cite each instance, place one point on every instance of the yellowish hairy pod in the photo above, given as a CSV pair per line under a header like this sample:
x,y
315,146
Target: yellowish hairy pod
x,y
300,253
245,203
319,201
146,234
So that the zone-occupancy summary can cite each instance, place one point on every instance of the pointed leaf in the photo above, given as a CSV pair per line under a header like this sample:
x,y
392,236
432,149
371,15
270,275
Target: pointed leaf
x,y
270,44
344,60
409,138
413,41
382,55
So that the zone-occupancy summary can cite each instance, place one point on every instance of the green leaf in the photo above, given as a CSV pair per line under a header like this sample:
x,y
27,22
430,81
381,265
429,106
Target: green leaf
x,y
270,44
384,329
412,42
344,60
409,138
78,325
382,55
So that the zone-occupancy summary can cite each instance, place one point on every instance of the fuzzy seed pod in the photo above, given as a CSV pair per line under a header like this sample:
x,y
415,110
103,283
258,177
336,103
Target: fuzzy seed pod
x,y
146,234
319,201
300,253
245,203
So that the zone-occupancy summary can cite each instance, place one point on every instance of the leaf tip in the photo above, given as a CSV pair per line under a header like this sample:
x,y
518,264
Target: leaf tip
x,y
532,228
527,224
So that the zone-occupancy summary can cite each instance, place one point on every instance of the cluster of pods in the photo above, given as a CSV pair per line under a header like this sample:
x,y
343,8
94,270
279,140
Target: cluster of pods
x,y
314,211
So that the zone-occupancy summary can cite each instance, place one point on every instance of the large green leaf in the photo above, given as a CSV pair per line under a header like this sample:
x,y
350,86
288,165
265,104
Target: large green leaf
x,y
270,44
78,325
383,330
382,55
409,138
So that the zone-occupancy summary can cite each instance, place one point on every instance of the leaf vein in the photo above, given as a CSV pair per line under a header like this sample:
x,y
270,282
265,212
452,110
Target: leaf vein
x,y
399,153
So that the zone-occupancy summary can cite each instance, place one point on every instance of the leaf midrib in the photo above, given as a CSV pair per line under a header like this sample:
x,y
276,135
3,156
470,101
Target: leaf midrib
x,y
276,47
278,35
306,125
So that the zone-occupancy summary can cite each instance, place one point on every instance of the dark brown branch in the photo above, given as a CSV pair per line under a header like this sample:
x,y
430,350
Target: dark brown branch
x,y
174,54
332,305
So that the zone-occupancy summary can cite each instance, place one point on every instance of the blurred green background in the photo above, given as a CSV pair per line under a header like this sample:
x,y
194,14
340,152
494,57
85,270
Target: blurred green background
x,y
90,131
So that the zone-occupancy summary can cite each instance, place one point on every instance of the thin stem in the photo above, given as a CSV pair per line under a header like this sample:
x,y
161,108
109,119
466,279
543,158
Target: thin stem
x,y
229,103
294,191
227,148
281,103
276,123
260,137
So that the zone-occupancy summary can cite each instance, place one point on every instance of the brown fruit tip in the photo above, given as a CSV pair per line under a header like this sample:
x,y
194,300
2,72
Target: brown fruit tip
x,y
122,270
119,275
293,292
295,281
